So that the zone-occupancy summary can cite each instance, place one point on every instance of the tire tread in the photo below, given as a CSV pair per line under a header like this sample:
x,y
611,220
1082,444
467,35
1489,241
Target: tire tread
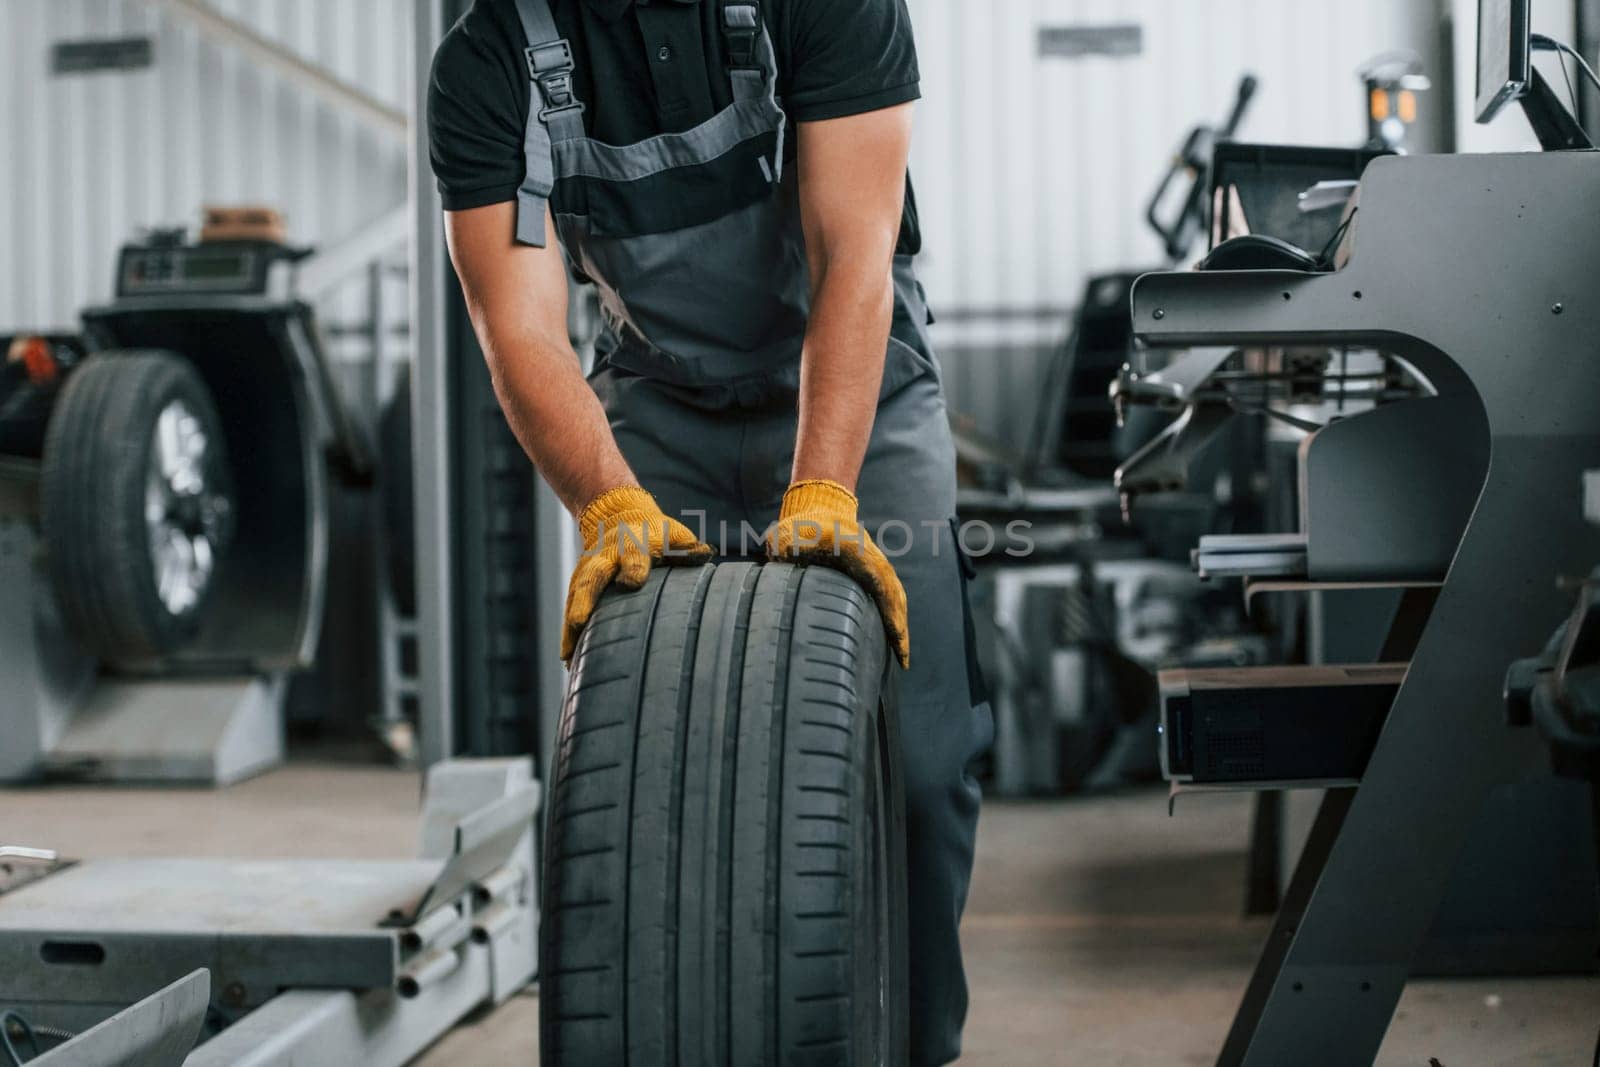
x,y
706,910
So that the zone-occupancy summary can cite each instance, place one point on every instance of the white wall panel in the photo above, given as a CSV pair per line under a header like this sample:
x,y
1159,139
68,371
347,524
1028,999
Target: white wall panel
x,y
87,160
1032,172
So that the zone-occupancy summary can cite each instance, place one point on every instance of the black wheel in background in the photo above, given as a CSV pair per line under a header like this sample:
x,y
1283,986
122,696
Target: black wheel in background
x,y
136,500
724,877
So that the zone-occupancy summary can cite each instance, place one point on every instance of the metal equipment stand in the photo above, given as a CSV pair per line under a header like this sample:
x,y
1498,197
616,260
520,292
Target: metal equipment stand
x,y
310,961
59,719
1478,271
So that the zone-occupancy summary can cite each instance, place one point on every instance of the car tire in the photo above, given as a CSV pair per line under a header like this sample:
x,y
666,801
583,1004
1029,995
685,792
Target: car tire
x,y
724,872
136,503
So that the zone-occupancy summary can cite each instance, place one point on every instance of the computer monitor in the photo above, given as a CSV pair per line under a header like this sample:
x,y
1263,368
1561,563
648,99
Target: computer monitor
x,y
1504,67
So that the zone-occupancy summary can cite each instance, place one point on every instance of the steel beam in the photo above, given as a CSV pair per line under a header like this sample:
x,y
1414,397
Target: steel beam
x,y
431,443
377,1028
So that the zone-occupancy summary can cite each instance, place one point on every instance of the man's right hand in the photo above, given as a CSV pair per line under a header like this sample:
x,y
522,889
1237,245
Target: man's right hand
x,y
624,531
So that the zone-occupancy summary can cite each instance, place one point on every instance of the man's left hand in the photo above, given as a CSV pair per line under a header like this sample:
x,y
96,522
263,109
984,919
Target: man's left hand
x,y
817,524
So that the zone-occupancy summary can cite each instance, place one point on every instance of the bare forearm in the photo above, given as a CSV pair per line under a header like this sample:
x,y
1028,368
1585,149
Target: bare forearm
x,y
557,418
841,370
852,184
517,298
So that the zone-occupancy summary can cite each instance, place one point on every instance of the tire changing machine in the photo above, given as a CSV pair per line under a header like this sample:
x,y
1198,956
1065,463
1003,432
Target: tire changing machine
x,y
212,711
1477,272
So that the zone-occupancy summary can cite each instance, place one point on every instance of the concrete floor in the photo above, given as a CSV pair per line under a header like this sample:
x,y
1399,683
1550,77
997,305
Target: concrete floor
x,y
1100,932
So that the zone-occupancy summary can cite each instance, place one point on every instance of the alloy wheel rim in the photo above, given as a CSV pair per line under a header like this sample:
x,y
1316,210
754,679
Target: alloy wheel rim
x,y
185,513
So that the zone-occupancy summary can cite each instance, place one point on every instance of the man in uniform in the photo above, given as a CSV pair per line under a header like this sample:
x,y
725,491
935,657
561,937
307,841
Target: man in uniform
x,y
731,175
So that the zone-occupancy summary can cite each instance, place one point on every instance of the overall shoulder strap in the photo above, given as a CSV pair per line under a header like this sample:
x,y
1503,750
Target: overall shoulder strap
x,y
752,70
554,114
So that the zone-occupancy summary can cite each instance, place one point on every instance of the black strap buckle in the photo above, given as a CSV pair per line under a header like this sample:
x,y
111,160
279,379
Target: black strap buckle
x,y
550,66
741,23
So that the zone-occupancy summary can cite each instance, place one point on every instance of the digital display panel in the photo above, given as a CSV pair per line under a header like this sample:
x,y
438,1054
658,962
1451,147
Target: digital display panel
x,y
1502,54
210,268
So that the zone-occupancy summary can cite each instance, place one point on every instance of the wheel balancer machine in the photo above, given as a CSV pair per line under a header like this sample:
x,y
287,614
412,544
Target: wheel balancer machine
x,y
210,710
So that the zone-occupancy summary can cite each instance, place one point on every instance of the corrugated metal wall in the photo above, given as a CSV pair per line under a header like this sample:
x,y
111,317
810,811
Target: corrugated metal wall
x,y
1032,172
91,158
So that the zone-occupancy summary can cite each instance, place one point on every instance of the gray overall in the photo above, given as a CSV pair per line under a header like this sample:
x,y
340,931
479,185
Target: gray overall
x,y
705,310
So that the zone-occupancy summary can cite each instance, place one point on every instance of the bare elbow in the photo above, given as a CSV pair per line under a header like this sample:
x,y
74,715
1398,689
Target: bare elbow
x,y
858,259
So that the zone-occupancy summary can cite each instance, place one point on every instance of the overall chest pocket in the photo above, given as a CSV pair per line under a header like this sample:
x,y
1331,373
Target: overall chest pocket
x,y
669,183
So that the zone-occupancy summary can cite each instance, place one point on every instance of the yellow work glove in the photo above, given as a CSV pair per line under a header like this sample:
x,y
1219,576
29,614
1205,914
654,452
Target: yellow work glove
x,y
623,531
817,524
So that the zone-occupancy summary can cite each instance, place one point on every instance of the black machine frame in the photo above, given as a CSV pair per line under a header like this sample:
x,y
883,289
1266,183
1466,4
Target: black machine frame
x,y
1381,855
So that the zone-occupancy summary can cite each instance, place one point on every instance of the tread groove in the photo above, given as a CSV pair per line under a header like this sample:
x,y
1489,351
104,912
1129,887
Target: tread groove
x,y
573,813
594,728
582,852
824,752
595,683
575,775
564,971
572,905
830,681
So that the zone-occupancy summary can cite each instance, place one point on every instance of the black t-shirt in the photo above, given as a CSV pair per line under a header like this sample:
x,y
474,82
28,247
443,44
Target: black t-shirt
x,y
648,68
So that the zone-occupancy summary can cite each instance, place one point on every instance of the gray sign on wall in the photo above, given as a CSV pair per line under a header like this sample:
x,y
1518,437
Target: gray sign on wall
x,y
117,53
1072,42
